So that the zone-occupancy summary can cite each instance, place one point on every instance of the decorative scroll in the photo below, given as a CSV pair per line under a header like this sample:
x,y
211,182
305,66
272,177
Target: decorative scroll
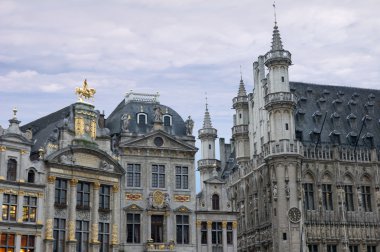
x,y
182,198
133,196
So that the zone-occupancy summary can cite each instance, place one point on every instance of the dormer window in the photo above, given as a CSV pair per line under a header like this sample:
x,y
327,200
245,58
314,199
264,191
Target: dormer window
x,y
142,119
167,120
215,202
31,176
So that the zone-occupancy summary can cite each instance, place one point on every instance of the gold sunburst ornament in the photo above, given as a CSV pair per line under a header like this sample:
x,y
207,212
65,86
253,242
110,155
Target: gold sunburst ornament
x,y
85,92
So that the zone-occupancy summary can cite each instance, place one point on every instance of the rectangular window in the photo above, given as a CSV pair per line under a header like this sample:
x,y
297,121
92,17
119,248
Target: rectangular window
x,y
59,234
216,233
366,198
82,235
9,207
331,248
309,196
83,195
349,197
203,232
104,236
353,248
230,237
27,243
7,242
60,192
312,247
181,177
158,176
133,175
133,228
104,197
371,248
286,126
282,79
183,228
327,197
29,209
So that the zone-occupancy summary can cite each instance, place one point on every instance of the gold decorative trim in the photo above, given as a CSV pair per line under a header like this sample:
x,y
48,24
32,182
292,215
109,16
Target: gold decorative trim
x,y
49,229
209,224
133,196
234,224
79,126
85,92
72,230
73,182
199,223
3,148
115,236
2,178
181,198
93,129
115,188
96,185
224,224
51,179
94,231
23,152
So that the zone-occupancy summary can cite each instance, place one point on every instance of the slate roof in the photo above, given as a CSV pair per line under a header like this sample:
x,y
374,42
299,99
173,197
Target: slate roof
x,y
344,109
132,108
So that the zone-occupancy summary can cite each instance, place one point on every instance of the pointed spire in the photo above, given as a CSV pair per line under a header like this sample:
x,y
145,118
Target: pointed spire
x,y
242,91
207,119
276,38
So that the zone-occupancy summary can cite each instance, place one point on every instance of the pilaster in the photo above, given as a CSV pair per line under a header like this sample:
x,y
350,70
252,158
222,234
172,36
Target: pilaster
x,y
17,242
224,235
234,228
199,235
20,201
72,211
209,238
95,244
115,219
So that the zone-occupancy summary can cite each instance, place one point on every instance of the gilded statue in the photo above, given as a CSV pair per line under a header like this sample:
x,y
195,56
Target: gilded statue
x,y
85,92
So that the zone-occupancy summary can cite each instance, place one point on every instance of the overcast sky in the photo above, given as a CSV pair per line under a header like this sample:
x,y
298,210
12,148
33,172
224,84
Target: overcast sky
x,y
179,48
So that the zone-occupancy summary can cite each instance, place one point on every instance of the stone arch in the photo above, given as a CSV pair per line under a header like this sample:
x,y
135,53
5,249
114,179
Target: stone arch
x,y
309,176
327,177
365,178
348,178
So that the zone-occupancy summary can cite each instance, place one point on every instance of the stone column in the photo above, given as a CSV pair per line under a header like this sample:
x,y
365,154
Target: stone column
x,y
209,240
20,203
40,208
17,242
224,235
115,219
169,227
149,227
72,216
37,243
234,232
49,213
3,163
1,203
95,244
199,235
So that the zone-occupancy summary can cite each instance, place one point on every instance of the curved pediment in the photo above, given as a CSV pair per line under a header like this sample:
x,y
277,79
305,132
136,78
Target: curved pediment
x,y
182,209
86,157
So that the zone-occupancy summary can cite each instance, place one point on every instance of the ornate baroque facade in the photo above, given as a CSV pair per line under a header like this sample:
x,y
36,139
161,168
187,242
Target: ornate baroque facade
x,y
303,162
75,181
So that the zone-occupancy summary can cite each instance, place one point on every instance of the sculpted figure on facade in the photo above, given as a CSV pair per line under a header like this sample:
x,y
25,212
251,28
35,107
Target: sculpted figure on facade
x,y
189,126
158,114
125,118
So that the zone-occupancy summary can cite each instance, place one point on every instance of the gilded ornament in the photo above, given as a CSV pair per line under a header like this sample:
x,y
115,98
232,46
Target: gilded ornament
x,y
209,224
73,182
234,224
93,129
199,223
51,179
72,231
96,185
115,188
115,237
182,198
94,231
133,196
224,224
85,92
79,126
3,148
23,152
49,229
158,198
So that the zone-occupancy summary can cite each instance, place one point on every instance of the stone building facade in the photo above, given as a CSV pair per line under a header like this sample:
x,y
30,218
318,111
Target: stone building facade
x,y
75,181
303,163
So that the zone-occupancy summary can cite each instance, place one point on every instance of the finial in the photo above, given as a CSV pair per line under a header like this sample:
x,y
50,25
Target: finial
x,y
84,92
14,113
241,75
274,10
206,101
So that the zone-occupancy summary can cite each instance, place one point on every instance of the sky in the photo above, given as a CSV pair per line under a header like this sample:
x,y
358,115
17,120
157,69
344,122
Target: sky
x,y
183,49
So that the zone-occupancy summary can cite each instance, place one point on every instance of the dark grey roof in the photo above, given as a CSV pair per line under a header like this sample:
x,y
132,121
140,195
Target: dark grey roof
x,y
344,109
47,127
132,108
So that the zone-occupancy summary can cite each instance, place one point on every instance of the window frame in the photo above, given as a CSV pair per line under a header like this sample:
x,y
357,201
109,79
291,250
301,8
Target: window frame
x,y
327,199
59,234
104,236
203,232
9,206
134,227
82,235
181,177
30,243
230,233
158,176
134,175
145,118
170,120
366,197
60,193
182,229
12,169
349,198
29,209
216,233
104,197
309,196
82,193
215,202
29,180
8,246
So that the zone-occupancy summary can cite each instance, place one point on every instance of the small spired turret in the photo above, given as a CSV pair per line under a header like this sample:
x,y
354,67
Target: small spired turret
x,y
208,163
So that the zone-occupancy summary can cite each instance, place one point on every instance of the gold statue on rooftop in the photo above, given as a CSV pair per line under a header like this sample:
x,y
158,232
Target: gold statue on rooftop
x,y
85,92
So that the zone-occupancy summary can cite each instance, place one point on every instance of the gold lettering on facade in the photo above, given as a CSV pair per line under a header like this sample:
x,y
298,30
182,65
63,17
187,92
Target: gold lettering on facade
x,y
93,129
133,196
79,126
182,198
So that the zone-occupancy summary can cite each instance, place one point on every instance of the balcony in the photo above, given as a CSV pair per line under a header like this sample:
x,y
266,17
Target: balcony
x,y
279,98
208,132
208,163
281,55
283,147
239,130
239,101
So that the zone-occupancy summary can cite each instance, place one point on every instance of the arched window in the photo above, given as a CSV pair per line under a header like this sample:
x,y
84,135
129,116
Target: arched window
x,y
215,202
12,170
31,176
167,120
142,119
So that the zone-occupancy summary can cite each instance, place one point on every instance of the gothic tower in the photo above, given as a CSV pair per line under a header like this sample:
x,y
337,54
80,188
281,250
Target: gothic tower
x,y
280,103
208,164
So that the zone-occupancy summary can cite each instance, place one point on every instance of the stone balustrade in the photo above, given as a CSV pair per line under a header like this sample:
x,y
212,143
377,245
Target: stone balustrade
x,y
278,55
283,147
155,246
239,129
208,163
279,97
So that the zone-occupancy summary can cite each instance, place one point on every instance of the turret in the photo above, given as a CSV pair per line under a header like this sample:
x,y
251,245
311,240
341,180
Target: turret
x,y
208,164
241,120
